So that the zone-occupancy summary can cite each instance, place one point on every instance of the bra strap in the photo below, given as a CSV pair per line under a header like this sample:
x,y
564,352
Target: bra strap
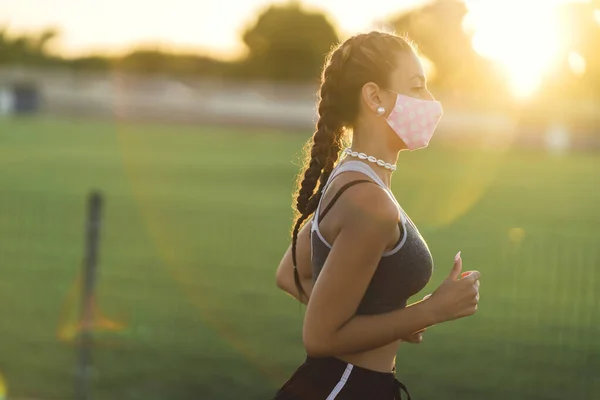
x,y
339,193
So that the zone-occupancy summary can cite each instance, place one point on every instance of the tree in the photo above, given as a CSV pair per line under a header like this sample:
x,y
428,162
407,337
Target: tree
x,y
157,60
288,43
27,49
148,60
90,63
41,41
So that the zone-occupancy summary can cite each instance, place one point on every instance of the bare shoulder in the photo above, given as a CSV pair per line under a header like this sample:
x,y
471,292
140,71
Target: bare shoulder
x,y
368,206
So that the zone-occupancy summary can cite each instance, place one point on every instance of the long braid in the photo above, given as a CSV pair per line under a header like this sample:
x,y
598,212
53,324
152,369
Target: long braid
x,y
324,152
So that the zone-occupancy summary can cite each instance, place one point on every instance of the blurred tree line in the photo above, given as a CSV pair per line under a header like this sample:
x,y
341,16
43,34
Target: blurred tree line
x,y
288,43
285,43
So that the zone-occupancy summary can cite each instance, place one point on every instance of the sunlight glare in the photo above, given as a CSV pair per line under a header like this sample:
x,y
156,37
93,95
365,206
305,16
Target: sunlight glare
x,y
524,38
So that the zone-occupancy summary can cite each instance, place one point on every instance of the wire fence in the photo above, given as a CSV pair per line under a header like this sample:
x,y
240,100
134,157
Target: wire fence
x,y
537,330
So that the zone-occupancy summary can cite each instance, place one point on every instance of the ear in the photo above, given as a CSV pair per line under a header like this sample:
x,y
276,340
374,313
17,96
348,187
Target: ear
x,y
377,100
371,96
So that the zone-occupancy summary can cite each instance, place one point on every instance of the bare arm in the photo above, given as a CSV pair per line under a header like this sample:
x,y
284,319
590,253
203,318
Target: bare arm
x,y
331,326
285,270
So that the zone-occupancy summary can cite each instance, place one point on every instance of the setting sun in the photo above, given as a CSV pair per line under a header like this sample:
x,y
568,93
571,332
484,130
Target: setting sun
x,y
524,37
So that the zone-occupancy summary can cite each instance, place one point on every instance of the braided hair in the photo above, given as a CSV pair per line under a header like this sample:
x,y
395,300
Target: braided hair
x,y
363,58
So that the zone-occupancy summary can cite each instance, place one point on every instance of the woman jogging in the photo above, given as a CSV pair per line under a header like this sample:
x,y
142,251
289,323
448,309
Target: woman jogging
x,y
356,257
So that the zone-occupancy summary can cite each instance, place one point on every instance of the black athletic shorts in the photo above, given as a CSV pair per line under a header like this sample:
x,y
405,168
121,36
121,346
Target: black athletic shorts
x,y
331,378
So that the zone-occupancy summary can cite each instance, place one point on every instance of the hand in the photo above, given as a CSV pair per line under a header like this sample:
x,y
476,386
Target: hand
x,y
457,296
415,338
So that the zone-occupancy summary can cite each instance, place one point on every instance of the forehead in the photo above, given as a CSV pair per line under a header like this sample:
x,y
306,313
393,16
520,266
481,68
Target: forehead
x,y
408,69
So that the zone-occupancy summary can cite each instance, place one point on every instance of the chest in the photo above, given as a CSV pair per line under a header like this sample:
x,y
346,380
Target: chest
x,y
398,276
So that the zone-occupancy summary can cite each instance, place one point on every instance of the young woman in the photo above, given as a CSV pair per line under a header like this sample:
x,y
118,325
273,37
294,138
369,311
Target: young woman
x,y
360,257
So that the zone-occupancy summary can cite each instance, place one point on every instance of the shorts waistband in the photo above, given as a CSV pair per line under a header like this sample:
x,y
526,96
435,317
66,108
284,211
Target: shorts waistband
x,y
336,362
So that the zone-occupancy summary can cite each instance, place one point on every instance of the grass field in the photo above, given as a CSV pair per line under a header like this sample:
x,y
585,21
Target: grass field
x,y
196,220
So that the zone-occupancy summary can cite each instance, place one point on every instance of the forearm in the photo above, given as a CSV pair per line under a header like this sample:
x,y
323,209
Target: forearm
x,y
290,288
366,332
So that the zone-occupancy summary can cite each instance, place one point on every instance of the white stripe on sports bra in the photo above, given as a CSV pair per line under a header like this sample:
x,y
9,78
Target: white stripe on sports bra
x,y
357,166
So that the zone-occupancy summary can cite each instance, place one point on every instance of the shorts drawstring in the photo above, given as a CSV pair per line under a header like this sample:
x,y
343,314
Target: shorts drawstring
x,y
400,387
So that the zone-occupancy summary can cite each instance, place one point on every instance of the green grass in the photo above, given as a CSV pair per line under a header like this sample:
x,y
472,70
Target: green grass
x,y
196,220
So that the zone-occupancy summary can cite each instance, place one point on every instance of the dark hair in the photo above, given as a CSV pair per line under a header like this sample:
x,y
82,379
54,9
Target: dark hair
x,y
363,58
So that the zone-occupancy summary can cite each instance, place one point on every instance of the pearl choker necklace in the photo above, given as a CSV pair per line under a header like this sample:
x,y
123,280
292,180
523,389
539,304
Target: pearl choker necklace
x,y
363,156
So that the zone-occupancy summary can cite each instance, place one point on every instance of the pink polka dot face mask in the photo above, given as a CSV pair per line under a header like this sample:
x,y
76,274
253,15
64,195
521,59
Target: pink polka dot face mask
x,y
414,120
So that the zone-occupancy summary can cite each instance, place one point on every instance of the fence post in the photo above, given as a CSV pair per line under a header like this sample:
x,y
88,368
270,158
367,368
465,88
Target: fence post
x,y
86,325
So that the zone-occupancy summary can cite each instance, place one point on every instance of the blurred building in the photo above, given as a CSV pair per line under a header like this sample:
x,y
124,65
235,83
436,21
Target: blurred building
x,y
160,98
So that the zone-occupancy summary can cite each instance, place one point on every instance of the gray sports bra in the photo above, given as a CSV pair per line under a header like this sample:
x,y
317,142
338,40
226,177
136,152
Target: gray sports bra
x,y
401,273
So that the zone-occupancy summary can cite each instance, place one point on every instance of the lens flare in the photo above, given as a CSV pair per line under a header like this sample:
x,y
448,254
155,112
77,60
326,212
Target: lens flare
x,y
174,250
70,325
577,63
3,388
516,235
441,196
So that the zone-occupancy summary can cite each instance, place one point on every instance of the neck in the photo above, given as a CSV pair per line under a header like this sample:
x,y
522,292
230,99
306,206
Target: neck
x,y
379,150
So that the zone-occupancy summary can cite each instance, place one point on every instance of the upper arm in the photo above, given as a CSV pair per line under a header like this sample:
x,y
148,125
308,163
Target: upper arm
x,y
369,224
285,270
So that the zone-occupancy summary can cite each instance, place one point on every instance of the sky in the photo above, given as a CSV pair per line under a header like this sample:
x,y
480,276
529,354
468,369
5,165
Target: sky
x,y
530,47
212,26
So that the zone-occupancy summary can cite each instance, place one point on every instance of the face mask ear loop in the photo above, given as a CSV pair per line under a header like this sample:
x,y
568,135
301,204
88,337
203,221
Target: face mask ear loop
x,y
381,109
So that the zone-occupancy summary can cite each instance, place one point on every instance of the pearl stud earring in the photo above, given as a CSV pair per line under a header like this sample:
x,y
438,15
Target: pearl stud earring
x,y
380,110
